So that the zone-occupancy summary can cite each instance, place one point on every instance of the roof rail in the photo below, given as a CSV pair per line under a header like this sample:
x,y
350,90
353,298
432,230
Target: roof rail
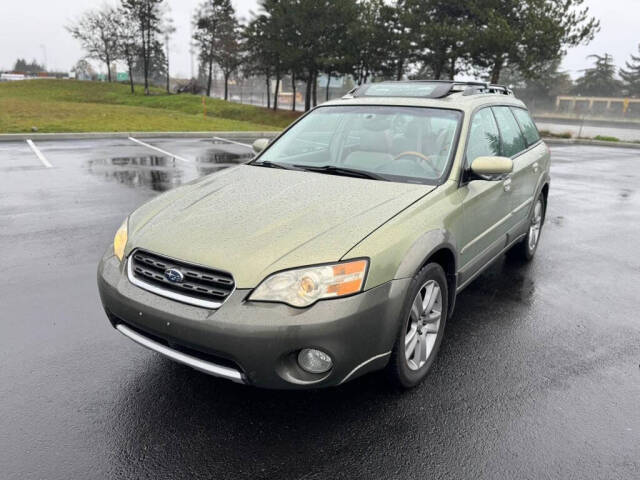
x,y
474,88
443,89
488,88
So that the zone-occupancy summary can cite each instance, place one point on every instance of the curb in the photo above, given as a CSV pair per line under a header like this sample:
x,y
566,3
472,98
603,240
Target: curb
x,y
12,137
588,142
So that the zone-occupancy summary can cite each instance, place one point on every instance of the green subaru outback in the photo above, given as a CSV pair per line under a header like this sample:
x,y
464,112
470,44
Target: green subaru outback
x,y
340,248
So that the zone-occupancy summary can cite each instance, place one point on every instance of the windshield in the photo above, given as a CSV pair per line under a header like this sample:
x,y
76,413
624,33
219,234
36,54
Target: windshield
x,y
405,144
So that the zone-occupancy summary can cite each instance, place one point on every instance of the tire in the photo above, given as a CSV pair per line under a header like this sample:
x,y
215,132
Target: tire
x,y
408,367
526,249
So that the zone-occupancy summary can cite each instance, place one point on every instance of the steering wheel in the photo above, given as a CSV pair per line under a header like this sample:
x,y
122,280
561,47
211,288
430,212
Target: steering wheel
x,y
427,160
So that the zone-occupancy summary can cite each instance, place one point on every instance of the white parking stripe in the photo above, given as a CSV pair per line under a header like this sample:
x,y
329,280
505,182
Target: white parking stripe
x,y
39,154
234,142
164,152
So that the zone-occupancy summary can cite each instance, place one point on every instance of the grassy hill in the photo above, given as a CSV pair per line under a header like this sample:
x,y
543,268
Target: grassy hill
x,y
74,106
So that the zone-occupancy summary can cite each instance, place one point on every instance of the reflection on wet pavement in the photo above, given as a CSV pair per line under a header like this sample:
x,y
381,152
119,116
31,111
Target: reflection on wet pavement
x,y
509,278
158,173
214,155
162,173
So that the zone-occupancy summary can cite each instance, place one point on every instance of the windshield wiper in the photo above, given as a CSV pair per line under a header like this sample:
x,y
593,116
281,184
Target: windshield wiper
x,y
347,172
269,164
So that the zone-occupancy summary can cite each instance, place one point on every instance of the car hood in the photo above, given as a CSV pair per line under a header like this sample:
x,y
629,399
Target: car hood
x,y
253,221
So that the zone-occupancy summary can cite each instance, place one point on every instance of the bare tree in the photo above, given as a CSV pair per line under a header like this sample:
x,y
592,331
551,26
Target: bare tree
x,y
97,31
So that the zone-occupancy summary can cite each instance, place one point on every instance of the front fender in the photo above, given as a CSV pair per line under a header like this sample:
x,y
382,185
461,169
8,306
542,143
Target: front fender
x,y
424,247
430,244
542,181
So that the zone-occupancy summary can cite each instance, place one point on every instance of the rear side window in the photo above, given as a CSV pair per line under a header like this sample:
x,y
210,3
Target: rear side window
x,y
484,138
529,129
512,139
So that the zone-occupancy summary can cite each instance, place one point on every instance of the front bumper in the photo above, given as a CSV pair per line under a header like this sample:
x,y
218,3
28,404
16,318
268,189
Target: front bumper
x,y
260,341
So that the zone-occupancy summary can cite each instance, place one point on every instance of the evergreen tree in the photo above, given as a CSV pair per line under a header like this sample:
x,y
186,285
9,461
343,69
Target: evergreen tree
x,y
631,75
146,15
156,67
600,80
214,21
442,30
371,38
319,31
526,35
539,92
23,66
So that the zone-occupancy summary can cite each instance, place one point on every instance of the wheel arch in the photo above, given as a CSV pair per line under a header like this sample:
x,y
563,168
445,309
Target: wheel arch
x,y
545,194
437,246
545,191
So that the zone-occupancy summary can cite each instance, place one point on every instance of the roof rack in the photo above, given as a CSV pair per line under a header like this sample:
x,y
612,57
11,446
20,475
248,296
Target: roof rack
x,y
441,89
487,88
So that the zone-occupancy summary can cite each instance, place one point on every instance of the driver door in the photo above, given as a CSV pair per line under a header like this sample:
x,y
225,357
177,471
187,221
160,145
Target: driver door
x,y
486,204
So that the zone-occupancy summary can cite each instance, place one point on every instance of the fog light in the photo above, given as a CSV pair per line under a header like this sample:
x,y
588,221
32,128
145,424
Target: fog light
x,y
314,361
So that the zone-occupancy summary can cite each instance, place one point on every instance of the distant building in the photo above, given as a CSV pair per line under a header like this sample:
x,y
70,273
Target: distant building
x,y
602,106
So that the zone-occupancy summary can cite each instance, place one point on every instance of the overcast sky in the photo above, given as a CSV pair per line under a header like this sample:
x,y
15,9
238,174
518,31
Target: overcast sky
x,y
31,28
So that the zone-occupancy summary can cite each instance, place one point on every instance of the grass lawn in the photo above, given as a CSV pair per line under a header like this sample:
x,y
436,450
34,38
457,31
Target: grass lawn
x,y
73,106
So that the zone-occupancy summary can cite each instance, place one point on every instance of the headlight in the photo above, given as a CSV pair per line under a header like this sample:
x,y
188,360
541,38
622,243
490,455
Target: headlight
x,y
120,240
302,287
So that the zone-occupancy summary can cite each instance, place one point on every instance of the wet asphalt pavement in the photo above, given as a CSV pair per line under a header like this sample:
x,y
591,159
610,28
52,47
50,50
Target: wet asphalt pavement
x,y
538,375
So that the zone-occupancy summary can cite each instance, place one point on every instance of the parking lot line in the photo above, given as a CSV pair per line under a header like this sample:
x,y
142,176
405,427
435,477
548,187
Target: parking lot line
x,y
233,141
159,150
39,154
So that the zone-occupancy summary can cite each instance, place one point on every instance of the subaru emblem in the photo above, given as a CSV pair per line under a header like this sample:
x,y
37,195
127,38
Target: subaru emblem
x,y
173,275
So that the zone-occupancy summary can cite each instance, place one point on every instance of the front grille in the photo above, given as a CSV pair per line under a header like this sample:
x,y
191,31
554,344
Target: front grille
x,y
200,286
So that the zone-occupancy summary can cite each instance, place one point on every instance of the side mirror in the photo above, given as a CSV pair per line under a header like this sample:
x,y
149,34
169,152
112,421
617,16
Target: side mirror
x,y
491,166
260,144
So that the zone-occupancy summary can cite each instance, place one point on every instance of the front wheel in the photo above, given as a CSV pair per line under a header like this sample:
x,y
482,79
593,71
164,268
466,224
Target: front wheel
x,y
423,319
526,249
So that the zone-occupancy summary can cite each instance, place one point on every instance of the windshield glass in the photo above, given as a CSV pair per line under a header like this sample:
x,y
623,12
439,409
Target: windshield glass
x,y
405,144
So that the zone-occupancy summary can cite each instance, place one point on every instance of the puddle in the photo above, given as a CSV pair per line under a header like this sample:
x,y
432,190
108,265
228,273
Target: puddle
x,y
148,161
157,173
161,173
220,156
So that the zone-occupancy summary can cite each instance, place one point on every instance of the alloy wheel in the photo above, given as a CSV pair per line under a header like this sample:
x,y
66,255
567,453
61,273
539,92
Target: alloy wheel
x,y
423,325
535,226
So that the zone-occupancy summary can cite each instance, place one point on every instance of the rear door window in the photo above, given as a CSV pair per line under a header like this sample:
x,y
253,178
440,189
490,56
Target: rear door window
x,y
484,138
529,129
512,139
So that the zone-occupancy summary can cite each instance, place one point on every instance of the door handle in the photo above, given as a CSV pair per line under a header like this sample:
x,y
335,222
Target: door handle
x,y
507,185
536,167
